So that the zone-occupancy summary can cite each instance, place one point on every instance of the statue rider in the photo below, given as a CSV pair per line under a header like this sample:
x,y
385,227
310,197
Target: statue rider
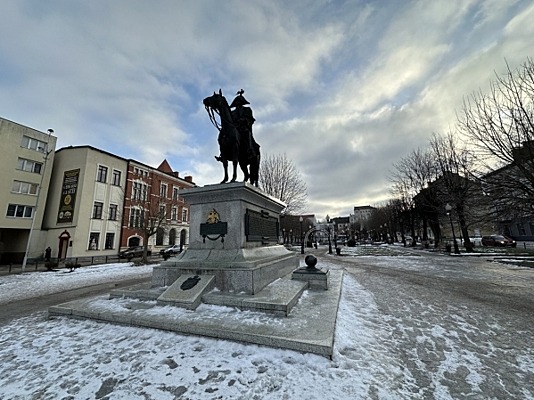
x,y
243,119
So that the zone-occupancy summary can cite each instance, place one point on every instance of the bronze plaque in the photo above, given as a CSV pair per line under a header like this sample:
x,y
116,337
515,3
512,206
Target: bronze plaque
x,y
261,227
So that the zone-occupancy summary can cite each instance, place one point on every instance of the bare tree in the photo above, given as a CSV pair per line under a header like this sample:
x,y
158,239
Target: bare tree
x,y
153,213
457,183
501,127
280,178
413,173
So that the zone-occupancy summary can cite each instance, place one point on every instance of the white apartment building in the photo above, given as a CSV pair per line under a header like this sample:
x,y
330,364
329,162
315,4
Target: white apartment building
x,y
26,161
85,202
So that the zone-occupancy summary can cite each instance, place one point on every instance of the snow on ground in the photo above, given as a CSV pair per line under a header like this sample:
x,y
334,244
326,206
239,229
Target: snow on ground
x,y
80,359
35,284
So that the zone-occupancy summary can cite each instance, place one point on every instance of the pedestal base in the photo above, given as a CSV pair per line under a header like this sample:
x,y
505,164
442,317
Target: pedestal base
x,y
240,271
316,278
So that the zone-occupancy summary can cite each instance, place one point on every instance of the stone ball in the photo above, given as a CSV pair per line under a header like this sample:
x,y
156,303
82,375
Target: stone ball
x,y
311,261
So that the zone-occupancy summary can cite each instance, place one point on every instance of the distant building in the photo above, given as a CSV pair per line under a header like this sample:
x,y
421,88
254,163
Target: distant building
x,y
97,201
157,190
361,214
26,160
342,228
85,201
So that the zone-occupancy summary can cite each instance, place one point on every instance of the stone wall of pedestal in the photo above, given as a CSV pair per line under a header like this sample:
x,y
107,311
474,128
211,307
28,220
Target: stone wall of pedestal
x,y
238,264
231,201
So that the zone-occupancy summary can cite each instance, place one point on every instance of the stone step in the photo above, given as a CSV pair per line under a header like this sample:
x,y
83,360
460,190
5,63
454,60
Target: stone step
x,y
279,297
187,291
143,291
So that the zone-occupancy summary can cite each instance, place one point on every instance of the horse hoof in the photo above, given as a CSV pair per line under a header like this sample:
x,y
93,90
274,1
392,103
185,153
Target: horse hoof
x,y
224,181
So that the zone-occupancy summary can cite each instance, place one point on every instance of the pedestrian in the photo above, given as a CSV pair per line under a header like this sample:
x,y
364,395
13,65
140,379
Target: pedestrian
x,y
48,254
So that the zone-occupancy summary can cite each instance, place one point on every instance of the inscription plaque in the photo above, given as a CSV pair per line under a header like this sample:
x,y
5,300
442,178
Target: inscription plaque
x,y
219,228
261,227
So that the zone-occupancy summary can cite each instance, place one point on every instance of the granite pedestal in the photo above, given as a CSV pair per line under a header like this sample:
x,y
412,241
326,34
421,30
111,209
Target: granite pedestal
x,y
233,236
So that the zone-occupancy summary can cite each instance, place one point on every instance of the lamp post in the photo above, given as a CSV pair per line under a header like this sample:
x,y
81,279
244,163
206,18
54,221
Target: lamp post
x,y
46,153
329,230
301,236
448,208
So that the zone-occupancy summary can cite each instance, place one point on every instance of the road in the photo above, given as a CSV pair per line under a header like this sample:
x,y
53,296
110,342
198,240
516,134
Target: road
x,y
17,309
440,312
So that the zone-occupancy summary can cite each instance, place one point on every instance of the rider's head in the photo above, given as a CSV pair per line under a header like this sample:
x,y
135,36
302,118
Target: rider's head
x,y
239,101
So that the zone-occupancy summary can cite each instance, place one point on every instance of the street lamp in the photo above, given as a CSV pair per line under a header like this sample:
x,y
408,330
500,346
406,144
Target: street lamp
x,y
34,212
448,208
301,237
329,230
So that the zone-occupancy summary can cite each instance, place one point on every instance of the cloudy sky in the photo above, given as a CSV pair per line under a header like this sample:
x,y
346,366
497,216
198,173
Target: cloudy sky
x,y
343,88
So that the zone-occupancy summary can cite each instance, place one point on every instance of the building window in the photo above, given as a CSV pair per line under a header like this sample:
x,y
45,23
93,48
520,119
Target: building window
x,y
184,215
116,179
93,240
102,174
144,192
160,234
28,165
139,171
19,211
24,187
33,144
112,212
162,212
163,190
110,238
135,218
175,193
97,210
139,191
174,213
136,191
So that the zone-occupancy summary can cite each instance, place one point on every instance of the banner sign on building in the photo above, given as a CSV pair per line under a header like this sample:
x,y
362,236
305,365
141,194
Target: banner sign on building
x,y
68,196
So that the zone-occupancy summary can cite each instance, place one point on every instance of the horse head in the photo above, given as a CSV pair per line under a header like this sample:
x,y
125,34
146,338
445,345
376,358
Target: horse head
x,y
215,102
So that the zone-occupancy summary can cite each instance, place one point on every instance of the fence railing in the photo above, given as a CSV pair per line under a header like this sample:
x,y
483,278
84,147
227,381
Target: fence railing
x,y
40,264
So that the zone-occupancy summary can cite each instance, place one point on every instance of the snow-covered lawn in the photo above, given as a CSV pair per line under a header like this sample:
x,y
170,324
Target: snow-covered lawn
x,y
35,284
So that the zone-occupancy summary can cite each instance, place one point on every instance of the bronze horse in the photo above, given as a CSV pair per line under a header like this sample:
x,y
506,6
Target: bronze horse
x,y
234,146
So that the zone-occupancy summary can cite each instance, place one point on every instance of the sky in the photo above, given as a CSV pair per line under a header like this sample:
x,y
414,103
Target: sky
x,y
343,88
461,352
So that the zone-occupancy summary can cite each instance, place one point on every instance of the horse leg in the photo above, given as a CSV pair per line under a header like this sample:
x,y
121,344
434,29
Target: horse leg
x,y
255,170
225,165
234,176
244,167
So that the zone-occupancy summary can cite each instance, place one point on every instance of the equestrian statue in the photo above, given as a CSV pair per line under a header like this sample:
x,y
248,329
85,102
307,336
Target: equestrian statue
x,y
236,142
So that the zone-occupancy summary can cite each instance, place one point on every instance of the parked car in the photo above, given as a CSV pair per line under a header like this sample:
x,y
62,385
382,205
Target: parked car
x,y
173,250
498,241
408,239
132,252
476,240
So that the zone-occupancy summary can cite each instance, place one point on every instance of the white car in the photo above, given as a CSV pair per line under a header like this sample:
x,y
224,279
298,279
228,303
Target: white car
x,y
173,250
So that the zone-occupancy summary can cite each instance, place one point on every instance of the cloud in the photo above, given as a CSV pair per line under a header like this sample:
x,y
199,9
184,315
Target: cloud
x,y
344,88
